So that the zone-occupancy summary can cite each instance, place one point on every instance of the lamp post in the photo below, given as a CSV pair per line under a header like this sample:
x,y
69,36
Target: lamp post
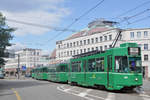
x,y
18,69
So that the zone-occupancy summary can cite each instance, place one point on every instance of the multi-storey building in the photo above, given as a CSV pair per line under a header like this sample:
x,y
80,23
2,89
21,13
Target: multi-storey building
x,y
99,36
28,58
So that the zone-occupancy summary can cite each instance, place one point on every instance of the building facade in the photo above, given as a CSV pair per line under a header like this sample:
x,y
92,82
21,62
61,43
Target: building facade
x,y
28,58
99,36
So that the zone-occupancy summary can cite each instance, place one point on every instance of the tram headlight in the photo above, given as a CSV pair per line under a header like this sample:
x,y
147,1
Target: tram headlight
x,y
136,79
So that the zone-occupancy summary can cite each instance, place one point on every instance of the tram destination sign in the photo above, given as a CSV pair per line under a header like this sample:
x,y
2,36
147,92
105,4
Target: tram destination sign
x,y
134,51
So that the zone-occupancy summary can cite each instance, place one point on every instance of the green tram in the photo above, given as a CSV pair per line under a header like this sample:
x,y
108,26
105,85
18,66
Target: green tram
x,y
113,69
55,73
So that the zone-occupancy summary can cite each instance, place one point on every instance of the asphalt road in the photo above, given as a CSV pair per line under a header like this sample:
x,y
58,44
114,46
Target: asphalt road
x,y
43,90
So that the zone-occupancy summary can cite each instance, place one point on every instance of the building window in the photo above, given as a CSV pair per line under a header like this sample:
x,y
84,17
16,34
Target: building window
x,y
110,37
38,53
105,47
67,53
145,33
74,44
145,57
109,46
64,45
101,48
92,40
105,37
131,34
64,54
74,52
84,42
67,45
84,50
88,41
77,52
77,43
59,46
88,49
96,39
80,42
61,54
96,48
70,44
92,49
70,53
80,51
138,34
101,39
145,46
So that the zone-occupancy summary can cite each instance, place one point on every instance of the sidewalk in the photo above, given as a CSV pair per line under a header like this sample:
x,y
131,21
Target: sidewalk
x,y
16,78
146,86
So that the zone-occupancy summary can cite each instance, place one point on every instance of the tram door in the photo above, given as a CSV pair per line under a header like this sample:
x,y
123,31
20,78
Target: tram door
x,y
109,71
84,69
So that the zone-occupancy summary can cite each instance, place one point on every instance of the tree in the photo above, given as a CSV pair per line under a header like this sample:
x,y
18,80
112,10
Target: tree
x,y
5,37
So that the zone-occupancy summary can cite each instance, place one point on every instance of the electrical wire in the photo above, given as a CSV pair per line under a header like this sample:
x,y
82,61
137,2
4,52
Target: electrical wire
x,y
139,20
77,19
140,13
130,10
40,26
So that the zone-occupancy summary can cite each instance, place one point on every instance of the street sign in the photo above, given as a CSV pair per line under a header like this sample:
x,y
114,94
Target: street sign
x,y
24,68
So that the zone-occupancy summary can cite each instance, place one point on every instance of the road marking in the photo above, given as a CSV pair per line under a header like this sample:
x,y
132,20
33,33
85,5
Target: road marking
x,y
83,94
111,96
60,88
144,95
17,94
80,94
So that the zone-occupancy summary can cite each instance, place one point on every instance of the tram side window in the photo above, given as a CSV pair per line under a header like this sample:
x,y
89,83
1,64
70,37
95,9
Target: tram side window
x,y
44,70
135,64
109,62
76,66
121,64
61,68
99,65
91,65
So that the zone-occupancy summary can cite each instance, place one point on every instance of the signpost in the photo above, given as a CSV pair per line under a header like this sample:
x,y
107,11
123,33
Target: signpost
x,y
24,68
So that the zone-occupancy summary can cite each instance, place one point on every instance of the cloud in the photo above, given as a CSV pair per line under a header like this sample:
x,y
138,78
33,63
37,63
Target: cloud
x,y
43,12
26,5
16,47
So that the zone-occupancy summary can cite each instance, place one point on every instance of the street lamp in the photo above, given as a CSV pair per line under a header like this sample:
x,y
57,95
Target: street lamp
x,y
18,69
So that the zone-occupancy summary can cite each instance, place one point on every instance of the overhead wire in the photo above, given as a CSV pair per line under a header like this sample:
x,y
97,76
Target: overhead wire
x,y
130,10
140,13
39,25
77,19
138,20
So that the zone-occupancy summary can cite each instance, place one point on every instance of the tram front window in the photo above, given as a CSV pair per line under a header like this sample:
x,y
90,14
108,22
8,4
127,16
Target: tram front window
x,y
135,64
121,64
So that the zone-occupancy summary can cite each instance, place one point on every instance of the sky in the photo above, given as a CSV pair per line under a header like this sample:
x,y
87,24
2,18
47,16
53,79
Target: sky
x,y
58,14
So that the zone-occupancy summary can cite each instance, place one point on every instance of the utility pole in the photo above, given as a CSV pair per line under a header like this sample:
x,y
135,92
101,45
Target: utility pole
x,y
18,65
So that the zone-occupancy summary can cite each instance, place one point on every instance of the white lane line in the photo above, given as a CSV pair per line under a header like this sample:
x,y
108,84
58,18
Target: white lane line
x,y
144,95
83,94
80,94
74,94
111,96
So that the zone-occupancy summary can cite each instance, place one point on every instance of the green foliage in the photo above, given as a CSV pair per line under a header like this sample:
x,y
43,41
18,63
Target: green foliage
x,y
5,37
